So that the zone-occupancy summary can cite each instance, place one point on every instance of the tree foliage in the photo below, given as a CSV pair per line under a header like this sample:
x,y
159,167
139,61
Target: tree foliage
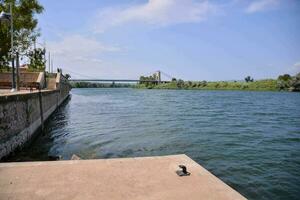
x,y
25,27
37,60
283,82
284,77
68,76
287,82
147,81
249,79
180,83
295,83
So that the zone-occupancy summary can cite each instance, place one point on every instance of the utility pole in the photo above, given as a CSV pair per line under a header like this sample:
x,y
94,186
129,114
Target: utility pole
x,y
52,65
34,52
45,60
18,72
49,61
9,17
12,48
45,64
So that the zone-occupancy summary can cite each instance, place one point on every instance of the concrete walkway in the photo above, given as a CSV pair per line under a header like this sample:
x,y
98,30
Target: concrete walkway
x,y
124,179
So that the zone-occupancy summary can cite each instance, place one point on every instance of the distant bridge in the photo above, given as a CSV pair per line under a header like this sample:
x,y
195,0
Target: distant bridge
x,y
117,80
156,79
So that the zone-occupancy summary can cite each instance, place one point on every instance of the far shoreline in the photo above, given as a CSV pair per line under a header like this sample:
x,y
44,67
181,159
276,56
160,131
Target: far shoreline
x,y
186,89
284,83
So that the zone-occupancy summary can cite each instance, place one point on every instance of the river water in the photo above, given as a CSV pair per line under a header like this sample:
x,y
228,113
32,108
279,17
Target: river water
x,y
251,140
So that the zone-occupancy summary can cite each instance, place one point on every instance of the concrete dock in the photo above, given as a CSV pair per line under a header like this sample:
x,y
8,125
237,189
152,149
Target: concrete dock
x,y
124,179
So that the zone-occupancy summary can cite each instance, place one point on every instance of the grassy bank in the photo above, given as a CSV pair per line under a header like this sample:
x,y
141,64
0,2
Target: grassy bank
x,y
282,83
262,85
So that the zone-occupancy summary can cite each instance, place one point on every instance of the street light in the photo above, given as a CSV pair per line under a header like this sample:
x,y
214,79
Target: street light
x,y
9,17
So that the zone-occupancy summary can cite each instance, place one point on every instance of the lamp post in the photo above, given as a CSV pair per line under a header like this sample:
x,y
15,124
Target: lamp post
x,y
9,17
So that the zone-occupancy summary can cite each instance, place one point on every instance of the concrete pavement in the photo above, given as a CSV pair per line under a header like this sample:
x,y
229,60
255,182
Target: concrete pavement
x,y
120,179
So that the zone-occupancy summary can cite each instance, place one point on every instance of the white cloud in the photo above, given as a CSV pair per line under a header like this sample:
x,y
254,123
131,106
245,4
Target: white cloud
x,y
79,54
87,59
293,69
79,47
261,5
296,67
155,12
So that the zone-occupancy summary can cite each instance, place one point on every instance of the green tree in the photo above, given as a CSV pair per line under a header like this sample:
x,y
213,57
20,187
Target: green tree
x,y
68,76
295,83
147,81
180,83
284,82
24,22
285,77
36,57
249,79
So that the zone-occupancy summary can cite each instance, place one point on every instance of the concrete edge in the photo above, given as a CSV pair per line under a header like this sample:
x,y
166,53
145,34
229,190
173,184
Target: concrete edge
x,y
63,162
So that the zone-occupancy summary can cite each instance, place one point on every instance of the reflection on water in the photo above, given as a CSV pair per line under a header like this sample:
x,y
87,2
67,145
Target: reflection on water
x,y
251,140
40,148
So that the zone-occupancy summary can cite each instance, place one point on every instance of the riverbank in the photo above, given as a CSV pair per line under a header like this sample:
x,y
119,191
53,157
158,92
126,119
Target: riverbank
x,y
83,84
261,85
280,84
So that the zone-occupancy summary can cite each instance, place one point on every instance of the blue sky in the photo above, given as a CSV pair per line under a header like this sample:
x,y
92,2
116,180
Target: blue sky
x,y
188,39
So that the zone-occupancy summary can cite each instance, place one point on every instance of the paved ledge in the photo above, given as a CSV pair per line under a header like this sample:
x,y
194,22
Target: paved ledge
x,y
6,93
23,95
124,179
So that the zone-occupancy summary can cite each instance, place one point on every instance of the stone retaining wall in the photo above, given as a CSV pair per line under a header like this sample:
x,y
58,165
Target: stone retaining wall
x,y
21,115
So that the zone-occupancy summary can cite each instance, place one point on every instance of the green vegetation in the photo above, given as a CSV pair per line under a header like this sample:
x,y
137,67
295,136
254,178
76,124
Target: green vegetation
x,y
25,33
249,79
287,82
100,85
283,83
37,59
144,80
